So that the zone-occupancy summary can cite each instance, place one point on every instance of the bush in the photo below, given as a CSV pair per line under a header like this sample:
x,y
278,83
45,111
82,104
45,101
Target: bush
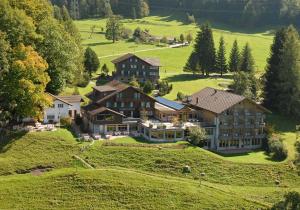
x,y
78,120
277,149
126,33
291,201
66,122
197,136
84,80
164,87
180,96
148,87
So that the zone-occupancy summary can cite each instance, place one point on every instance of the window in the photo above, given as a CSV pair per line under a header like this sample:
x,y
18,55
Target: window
x,y
130,60
131,104
122,104
123,66
60,105
148,105
152,73
108,104
50,117
122,72
137,95
105,117
119,95
136,60
143,67
115,104
144,73
143,104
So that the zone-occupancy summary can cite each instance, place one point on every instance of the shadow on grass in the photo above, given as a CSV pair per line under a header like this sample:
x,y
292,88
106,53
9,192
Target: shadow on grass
x,y
282,123
7,140
191,77
98,44
248,153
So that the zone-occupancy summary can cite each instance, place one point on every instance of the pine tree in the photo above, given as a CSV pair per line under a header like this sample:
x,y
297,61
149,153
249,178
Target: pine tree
x,y
91,61
288,87
182,38
272,70
221,64
192,64
247,61
205,50
234,60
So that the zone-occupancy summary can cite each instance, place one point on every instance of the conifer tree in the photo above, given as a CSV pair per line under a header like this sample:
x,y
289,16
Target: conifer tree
x,y
247,61
271,76
192,64
205,50
288,87
234,60
91,61
221,64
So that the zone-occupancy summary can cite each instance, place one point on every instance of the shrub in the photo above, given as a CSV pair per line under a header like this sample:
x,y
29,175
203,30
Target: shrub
x,y
197,136
180,96
84,80
66,122
148,87
164,87
126,33
277,149
78,120
291,201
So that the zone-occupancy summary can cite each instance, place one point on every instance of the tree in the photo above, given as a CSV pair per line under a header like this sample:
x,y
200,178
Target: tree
x,y
91,61
192,64
105,70
221,64
272,76
189,38
164,40
291,202
182,38
247,61
180,96
197,136
113,28
23,86
205,50
148,87
133,82
245,84
234,60
143,9
287,88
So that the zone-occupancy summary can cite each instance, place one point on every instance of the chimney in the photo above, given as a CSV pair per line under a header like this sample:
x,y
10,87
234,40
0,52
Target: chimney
x,y
197,100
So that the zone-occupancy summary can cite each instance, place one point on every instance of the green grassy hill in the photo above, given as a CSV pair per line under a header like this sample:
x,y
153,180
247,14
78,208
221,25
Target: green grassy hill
x,y
130,174
172,60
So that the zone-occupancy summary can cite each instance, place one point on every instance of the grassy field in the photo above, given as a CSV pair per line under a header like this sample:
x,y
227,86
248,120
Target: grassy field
x,y
131,174
172,60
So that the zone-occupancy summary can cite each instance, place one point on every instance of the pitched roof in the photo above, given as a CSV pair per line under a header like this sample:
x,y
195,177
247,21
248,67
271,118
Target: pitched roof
x,y
104,88
72,98
215,100
151,61
103,109
163,108
60,99
172,104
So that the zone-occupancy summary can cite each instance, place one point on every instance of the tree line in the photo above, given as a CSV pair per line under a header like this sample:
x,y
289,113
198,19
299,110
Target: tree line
x,y
40,51
234,12
80,9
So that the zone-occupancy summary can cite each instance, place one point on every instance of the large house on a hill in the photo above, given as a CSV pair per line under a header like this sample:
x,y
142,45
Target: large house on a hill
x,y
232,122
130,65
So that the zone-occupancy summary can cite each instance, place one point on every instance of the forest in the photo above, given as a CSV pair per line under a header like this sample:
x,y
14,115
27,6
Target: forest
x,y
246,13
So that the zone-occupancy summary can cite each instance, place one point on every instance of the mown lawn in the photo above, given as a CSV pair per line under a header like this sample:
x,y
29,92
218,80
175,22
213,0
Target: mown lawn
x,y
172,60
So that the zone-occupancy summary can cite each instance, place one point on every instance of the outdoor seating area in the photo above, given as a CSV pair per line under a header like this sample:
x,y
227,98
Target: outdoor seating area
x,y
37,127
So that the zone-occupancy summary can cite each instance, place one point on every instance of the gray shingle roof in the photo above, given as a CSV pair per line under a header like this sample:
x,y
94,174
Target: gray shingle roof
x,y
215,100
151,61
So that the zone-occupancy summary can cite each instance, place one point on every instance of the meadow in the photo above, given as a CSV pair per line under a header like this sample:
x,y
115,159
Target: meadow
x,y
132,174
172,59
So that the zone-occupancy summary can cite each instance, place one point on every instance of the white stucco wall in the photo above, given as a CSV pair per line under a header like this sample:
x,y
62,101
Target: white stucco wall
x,y
59,113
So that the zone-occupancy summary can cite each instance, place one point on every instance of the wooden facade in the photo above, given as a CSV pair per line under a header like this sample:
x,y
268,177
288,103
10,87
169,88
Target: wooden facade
x,y
129,66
